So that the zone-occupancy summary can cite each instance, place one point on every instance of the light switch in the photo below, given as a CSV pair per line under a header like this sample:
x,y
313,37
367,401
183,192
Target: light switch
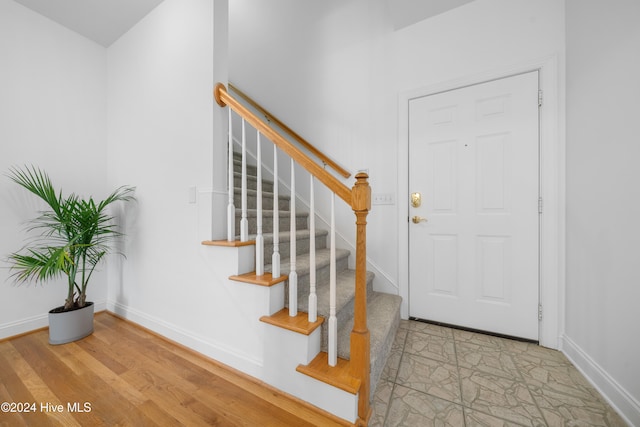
x,y
382,199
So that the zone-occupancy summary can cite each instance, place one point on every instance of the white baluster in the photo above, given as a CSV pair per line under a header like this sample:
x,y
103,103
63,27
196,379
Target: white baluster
x,y
244,222
333,322
293,275
231,209
259,237
313,298
275,258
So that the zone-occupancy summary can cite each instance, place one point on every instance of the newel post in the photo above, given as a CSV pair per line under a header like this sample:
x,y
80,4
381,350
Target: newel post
x,y
360,340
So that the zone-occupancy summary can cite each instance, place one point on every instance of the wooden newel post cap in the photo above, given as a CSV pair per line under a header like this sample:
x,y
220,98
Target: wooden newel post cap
x,y
361,193
219,87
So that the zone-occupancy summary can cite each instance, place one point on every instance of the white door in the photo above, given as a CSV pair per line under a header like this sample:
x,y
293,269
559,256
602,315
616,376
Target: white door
x,y
473,159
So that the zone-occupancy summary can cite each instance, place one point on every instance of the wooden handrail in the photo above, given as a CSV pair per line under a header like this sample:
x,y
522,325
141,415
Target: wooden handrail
x,y
223,98
270,117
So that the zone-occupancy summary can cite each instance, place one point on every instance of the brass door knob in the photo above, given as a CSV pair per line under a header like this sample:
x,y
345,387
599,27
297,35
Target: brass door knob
x,y
417,219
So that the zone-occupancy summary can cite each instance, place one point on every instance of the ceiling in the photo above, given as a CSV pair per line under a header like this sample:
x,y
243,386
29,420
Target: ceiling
x,y
408,12
102,21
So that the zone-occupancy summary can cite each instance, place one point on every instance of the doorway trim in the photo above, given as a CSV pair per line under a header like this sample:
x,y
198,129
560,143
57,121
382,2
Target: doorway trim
x,y
552,190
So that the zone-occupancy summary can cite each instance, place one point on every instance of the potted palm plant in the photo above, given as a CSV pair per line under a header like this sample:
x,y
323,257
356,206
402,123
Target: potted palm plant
x,y
74,236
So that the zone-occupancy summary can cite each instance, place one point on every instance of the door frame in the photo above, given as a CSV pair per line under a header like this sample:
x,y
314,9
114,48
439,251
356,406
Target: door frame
x,y
552,190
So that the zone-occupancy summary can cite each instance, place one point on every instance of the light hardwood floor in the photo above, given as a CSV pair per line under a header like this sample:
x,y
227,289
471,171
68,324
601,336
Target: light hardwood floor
x,y
126,376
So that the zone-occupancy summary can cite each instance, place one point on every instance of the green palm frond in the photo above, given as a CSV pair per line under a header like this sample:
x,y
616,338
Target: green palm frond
x,y
41,264
38,182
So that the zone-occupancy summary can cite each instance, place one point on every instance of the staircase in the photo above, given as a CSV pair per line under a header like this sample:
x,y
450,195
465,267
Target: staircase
x,y
295,355
383,314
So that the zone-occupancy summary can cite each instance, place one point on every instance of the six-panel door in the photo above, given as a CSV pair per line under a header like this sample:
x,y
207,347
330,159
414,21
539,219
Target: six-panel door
x,y
473,157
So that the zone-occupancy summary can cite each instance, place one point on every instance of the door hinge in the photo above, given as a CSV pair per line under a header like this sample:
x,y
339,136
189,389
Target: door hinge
x,y
539,98
539,205
539,311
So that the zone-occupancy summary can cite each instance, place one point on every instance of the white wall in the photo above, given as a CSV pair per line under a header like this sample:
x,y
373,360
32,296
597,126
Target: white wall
x,y
52,115
320,67
603,279
162,140
484,40
334,71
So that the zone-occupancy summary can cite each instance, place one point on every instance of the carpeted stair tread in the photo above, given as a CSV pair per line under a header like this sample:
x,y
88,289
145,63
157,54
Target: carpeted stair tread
x,y
252,182
253,213
267,200
383,318
284,220
302,242
303,266
381,309
283,236
345,292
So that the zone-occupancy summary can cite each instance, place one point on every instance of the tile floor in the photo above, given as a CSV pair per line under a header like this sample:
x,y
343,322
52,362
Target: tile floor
x,y
437,376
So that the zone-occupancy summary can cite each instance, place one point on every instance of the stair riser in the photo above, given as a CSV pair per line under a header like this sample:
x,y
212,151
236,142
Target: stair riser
x,y
252,201
284,222
380,358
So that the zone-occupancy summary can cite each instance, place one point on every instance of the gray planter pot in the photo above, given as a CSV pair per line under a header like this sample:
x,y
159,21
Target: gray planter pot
x,y
68,326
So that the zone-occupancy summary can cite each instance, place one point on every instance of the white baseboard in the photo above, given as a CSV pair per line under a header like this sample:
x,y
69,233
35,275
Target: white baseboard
x,y
29,324
232,357
23,326
626,405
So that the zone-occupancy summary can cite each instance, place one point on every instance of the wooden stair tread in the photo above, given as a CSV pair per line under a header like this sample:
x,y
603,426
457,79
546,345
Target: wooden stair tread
x,y
264,280
232,244
299,323
337,376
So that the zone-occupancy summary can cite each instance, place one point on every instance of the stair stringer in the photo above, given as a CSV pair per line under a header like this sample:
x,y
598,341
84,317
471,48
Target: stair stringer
x,y
250,302
285,350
